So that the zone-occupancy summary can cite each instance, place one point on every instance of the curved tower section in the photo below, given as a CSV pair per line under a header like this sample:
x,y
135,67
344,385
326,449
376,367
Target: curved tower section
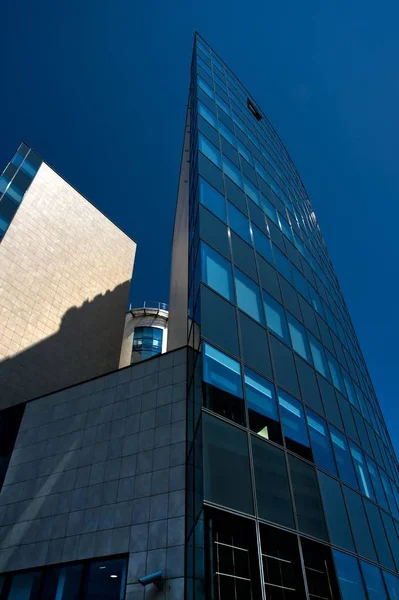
x,y
292,477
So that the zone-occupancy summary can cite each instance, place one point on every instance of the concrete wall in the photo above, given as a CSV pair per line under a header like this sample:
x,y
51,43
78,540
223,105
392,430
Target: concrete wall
x,y
98,469
65,274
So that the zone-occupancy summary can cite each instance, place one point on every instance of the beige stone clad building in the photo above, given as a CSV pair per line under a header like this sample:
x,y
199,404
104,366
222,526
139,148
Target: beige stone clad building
x,y
65,272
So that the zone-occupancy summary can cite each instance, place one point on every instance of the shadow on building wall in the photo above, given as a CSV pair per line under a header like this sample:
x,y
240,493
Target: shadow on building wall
x,y
87,344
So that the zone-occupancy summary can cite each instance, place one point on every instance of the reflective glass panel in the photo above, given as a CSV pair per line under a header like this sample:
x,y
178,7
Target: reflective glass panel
x,y
248,296
361,471
221,371
216,272
262,406
350,580
239,223
374,582
105,579
343,458
232,171
321,444
299,338
275,317
294,426
209,150
392,583
207,114
212,199
319,357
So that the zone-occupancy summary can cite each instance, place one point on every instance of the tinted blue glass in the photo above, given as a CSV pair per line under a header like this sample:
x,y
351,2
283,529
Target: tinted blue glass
x,y
17,159
321,444
293,419
336,515
4,181
15,193
262,244
221,371
374,583
282,263
207,114
275,317
239,223
205,87
269,210
343,457
300,283
319,357
335,373
243,150
231,171
286,229
377,485
209,150
392,583
248,296
216,272
226,133
251,191
388,493
260,394
213,201
299,338
225,109
28,168
315,300
350,580
361,471
350,391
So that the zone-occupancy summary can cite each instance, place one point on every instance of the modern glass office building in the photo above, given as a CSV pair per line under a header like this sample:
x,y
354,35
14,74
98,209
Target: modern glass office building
x,y
291,474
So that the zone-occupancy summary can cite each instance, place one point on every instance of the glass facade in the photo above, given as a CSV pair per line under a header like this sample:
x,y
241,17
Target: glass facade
x,y
14,181
147,342
292,476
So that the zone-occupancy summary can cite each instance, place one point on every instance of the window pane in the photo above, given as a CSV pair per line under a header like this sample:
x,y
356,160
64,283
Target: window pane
x,y
262,244
336,515
308,505
24,586
321,445
222,371
207,114
319,357
218,321
274,501
377,485
204,86
284,366
350,581
209,150
374,582
62,583
254,345
226,465
3,225
388,493
105,583
392,583
359,524
361,471
231,171
248,296
243,150
239,223
379,535
335,373
216,272
213,201
251,191
343,458
282,263
294,426
275,317
226,133
262,406
298,338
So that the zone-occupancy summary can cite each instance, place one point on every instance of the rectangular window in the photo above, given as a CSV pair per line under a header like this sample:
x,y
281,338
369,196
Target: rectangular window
x,y
294,426
343,458
321,444
207,114
262,406
262,244
282,263
350,580
335,373
359,524
307,499
269,210
299,338
231,171
319,357
212,199
377,485
335,511
216,272
361,471
243,150
248,296
226,133
205,87
227,479
374,582
275,317
224,108
210,151
251,191
221,371
239,223
254,110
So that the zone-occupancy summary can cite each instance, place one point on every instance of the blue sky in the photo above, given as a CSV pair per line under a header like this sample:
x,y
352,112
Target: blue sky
x,y
99,89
